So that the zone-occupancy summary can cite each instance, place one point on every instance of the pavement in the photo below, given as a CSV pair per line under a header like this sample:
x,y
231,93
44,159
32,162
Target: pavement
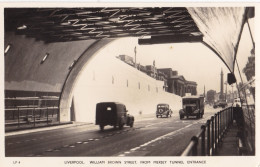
x,y
229,146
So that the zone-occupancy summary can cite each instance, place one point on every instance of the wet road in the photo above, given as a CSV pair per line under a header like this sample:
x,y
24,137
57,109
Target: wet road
x,y
150,136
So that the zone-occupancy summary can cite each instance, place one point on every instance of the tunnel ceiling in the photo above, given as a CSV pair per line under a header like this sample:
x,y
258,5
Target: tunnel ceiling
x,y
72,24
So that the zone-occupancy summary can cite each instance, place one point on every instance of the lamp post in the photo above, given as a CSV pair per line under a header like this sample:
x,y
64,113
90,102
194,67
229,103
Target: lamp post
x,y
226,91
232,92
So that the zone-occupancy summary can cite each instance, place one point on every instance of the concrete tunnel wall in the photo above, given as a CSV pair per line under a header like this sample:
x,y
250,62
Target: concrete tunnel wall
x,y
107,78
23,68
24,71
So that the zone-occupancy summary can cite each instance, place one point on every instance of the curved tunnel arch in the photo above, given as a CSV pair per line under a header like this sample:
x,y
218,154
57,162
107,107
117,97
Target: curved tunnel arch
x,y
73,76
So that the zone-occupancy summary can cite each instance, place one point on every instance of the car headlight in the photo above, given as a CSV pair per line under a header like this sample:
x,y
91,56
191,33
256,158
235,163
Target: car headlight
x,y
196,111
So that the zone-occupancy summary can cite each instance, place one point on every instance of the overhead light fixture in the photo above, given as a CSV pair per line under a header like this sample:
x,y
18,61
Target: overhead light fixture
x,y
45,57
7,48
22,27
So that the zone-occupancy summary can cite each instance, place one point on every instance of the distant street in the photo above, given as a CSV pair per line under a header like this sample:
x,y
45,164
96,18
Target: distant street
x,y
150,136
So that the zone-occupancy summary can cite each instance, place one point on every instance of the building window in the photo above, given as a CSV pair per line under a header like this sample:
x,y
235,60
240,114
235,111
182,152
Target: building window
x,y
148,87
112,79
94,76
127,83
139,85
157,89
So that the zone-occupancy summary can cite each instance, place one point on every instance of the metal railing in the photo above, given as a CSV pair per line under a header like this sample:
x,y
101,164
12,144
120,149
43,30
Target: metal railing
x,y
206,142
31,116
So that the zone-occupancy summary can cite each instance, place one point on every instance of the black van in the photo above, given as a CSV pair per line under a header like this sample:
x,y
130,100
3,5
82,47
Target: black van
x,y
114,114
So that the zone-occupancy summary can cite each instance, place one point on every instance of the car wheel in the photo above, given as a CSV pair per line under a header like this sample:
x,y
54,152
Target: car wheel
x,y
101,127
132,124
181,117
157,116
121,126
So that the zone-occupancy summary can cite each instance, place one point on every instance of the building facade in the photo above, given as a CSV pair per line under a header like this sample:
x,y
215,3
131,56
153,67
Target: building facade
x,y
127,59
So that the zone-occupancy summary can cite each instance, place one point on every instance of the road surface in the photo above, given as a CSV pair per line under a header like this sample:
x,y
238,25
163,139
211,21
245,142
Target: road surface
x,y
150,136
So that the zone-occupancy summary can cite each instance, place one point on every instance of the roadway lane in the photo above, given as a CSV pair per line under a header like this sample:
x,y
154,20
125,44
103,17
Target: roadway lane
x,y
150,137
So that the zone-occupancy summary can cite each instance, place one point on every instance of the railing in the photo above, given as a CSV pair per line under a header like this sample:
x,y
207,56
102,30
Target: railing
x,y
206,142
30,116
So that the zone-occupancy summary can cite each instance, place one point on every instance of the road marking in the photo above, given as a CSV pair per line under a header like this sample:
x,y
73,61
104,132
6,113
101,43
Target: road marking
x,y
159,138
50,150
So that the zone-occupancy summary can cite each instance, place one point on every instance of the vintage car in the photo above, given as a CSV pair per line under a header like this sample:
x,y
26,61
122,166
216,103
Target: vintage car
x,y
215,105
222,104
163,110
114,114
192,106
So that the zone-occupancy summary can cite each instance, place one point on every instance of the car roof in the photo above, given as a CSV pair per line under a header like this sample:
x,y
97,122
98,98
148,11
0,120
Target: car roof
x,y
110,103
191,97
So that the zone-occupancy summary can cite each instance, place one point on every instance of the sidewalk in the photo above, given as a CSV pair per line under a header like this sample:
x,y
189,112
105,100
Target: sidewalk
x,y
229,146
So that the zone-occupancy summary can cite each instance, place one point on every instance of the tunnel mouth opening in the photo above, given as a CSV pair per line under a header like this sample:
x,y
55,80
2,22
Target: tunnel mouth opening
x,y
105,71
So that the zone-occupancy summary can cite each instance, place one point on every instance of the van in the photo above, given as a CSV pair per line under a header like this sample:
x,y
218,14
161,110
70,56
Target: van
x,y
114,114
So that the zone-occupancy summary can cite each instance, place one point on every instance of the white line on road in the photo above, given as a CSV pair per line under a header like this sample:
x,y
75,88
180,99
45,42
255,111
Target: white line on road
x,y
159,138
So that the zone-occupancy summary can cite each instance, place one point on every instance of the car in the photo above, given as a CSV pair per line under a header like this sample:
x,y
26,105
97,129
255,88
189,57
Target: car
x,y
114,114
222,104
192,106
163,109
215,105
236,103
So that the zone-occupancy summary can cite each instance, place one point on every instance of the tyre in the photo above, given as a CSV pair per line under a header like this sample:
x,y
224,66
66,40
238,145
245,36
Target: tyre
x,y
157,116
121,126
181,116
131,124
101,127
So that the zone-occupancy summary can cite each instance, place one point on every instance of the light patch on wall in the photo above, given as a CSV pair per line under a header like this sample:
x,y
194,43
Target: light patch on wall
x,y
45,57
7,48
72,64
22,27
